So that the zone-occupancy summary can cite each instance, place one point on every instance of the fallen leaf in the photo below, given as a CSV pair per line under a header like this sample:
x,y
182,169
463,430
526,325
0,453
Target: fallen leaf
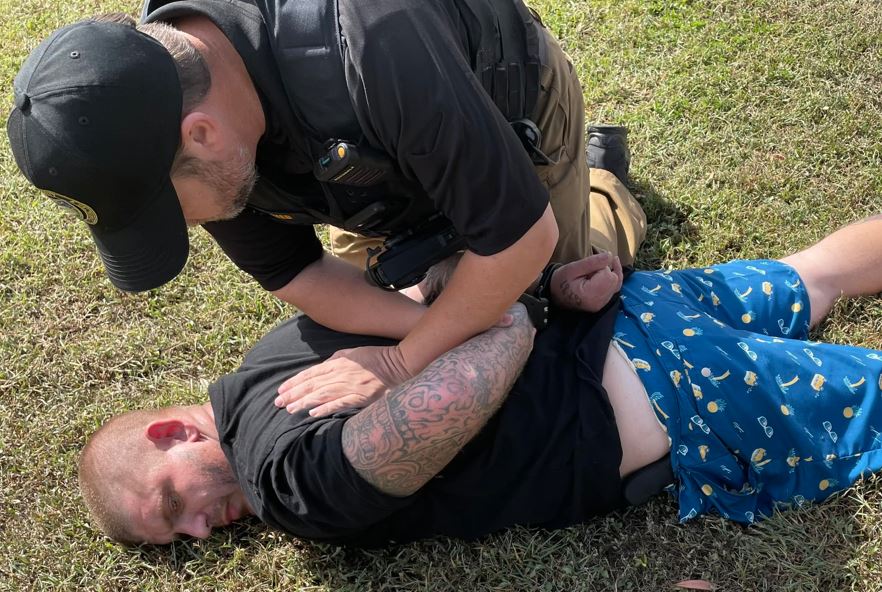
x,y
695,585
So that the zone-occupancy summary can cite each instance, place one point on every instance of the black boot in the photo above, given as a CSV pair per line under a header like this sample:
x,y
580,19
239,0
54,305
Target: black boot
x,y
608,149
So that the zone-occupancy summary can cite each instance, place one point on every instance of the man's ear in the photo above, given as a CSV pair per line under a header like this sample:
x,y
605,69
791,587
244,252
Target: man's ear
x,y
200,135
168,432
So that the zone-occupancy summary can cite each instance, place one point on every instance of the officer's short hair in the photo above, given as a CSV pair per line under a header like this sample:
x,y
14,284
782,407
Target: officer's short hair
x,y
192,70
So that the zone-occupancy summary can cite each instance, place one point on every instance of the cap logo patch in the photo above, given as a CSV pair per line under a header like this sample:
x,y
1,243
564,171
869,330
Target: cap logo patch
x,y
78,208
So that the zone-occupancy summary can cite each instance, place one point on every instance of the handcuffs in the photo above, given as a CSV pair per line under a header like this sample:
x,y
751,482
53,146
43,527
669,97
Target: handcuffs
x,y
537,303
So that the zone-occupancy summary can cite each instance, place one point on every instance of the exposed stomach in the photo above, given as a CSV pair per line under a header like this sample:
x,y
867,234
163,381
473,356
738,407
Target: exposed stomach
x,y
643,438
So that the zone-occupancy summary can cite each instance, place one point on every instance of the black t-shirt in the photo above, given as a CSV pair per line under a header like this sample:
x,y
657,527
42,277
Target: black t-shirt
x,y
549,457
408,71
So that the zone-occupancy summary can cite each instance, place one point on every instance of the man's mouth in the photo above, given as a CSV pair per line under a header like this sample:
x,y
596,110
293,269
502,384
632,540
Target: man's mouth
x,y
230,513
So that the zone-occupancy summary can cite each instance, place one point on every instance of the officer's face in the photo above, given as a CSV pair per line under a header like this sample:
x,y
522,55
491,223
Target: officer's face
x,y
214,190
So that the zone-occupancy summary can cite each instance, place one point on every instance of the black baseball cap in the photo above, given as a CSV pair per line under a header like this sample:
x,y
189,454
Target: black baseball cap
x,y
96,126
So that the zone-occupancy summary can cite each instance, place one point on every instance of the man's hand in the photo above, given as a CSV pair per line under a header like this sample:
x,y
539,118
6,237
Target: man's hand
x,y
350,378
587,284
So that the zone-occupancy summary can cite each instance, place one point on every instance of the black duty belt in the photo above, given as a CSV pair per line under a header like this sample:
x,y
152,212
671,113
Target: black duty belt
x,y
648,481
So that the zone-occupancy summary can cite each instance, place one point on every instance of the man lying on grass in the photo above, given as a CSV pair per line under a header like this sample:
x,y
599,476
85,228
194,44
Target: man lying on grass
x,y
709,368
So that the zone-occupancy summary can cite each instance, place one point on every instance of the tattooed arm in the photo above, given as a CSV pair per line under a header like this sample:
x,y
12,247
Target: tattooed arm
x,y
405,438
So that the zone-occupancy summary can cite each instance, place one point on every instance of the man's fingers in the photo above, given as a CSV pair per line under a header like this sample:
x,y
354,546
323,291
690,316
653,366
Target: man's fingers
x,y
597,289
609,280
617,269
586,266
588,284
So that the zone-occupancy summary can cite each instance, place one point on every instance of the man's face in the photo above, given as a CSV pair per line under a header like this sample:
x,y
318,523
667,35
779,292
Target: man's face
x,y
214,190
188,492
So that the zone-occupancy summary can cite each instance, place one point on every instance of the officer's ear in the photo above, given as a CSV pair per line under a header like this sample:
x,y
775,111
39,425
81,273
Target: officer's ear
x,y
200,135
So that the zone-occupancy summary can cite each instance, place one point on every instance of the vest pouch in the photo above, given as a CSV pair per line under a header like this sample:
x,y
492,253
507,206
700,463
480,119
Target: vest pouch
x,y
384,210
365,210
365,191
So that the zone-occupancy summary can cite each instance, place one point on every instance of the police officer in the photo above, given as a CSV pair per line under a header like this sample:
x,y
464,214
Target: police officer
x,y
230,114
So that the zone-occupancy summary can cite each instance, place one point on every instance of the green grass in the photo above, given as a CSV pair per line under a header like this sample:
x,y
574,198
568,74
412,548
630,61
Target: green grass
x,y
755,129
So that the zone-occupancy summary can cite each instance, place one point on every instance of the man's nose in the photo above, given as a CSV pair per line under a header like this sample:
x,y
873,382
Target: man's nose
x,y
195,525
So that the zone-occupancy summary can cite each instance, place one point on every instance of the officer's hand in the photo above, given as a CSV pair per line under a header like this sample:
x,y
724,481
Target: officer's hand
x,y
350,378
587,284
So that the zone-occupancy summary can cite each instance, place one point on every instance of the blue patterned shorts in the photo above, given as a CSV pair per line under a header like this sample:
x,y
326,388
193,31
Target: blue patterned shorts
x,y
758,417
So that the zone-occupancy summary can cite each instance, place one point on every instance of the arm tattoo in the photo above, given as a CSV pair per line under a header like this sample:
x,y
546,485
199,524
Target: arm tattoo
x,y
405,438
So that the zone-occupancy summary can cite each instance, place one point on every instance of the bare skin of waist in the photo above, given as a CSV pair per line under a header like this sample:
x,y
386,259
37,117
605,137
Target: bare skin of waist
x,y
642,437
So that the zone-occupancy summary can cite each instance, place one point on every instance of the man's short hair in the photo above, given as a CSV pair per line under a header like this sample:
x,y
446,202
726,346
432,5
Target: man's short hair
x,y
105,465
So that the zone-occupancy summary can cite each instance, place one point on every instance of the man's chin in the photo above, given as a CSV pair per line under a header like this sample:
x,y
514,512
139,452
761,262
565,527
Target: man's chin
x,y
232,512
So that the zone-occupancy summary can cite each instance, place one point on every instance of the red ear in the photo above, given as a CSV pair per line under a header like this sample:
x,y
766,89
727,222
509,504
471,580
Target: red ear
x,y
169,429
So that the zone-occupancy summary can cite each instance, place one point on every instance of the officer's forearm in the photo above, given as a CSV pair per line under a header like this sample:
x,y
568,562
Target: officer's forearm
x,y
335,294
479,292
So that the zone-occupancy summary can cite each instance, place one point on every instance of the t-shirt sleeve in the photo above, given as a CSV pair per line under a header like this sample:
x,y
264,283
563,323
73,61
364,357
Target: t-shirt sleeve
x,y
309,487
291,467
418,98
270,252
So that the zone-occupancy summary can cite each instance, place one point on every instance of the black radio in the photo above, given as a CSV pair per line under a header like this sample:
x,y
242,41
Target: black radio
x,y
349,164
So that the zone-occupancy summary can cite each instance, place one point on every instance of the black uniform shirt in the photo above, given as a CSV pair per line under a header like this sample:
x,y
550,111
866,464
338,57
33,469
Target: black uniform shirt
x,y
408,69
549,457
270,251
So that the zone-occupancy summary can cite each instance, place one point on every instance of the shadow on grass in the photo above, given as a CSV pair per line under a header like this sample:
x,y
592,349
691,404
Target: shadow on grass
x,y
641,548
576,558
668,226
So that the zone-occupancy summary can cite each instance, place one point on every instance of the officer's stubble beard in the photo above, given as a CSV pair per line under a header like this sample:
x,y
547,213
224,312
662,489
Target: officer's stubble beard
x,y
231,181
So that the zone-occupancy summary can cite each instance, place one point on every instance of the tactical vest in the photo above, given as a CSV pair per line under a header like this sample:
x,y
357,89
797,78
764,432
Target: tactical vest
x,y
358,187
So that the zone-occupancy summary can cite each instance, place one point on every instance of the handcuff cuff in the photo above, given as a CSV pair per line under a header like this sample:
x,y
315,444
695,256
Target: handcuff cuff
x,y
538,303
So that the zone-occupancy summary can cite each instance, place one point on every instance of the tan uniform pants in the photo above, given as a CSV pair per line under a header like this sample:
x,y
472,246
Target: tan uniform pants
x,y
594,210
